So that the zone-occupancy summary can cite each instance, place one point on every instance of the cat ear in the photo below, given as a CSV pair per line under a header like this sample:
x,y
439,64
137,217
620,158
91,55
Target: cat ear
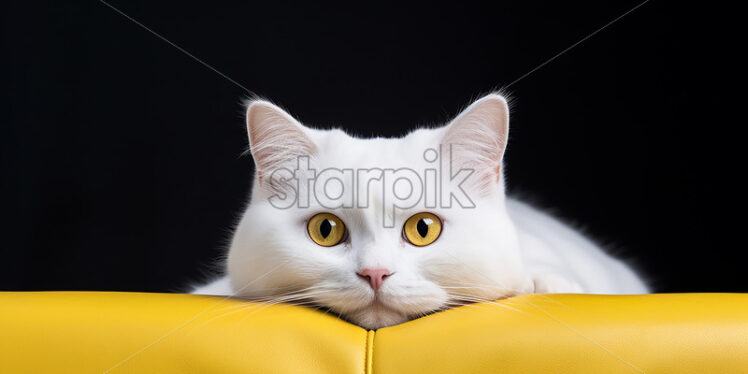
x,y
275,138
477,138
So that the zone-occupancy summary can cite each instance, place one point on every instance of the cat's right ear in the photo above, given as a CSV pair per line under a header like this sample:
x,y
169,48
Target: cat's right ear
x,y
276,139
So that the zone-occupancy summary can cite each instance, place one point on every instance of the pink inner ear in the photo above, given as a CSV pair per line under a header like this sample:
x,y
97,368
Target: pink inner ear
x,y
276,139
478,138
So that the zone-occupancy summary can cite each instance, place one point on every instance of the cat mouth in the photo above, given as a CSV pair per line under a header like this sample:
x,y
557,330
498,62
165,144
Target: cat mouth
x,y
376,315
378,304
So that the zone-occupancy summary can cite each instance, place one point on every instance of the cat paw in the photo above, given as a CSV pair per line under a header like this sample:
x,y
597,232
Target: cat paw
x,y
552,283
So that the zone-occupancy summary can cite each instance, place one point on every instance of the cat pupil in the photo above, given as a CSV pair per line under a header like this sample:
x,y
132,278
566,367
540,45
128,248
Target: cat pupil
x,y
422,227
325,228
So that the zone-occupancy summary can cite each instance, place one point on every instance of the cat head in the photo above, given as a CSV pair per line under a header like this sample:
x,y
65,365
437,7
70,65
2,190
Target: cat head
x,y
378,230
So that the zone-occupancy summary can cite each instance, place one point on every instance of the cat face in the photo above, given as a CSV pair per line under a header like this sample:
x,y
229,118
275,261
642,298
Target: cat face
x,y
379,231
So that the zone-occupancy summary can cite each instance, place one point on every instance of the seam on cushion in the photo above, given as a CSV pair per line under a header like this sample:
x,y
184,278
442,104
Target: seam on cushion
x,y
369,353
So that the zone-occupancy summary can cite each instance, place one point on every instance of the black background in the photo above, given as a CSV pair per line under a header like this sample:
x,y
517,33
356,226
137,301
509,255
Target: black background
x,y
121,156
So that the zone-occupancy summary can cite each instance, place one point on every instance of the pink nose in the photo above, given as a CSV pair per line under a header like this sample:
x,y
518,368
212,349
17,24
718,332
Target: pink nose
x,y
375,276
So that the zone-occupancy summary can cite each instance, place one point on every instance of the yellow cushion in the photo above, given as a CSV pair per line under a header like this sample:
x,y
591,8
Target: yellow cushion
x,y
105,332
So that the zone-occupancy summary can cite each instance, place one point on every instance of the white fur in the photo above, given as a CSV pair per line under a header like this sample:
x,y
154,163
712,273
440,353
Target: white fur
x,y
497,249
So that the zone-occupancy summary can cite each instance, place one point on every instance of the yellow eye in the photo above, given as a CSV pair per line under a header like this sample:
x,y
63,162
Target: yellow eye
x,y
326,229
422,229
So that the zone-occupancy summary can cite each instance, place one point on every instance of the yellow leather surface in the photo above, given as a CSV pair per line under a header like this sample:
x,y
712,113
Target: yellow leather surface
x,y
87,332
664,333
90,332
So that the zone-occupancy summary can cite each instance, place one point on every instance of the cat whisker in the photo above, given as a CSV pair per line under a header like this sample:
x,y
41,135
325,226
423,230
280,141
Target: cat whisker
x,y
264,302
487,286
303,299
516,293
485,301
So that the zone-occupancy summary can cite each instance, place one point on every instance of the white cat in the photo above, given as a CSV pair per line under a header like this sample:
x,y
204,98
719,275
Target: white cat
x,y
368,251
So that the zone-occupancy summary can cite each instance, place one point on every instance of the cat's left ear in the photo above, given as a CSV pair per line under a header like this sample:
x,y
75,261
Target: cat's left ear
x,y
477,138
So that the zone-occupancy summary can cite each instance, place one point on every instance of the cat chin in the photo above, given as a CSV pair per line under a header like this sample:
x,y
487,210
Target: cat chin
x,y
376,316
